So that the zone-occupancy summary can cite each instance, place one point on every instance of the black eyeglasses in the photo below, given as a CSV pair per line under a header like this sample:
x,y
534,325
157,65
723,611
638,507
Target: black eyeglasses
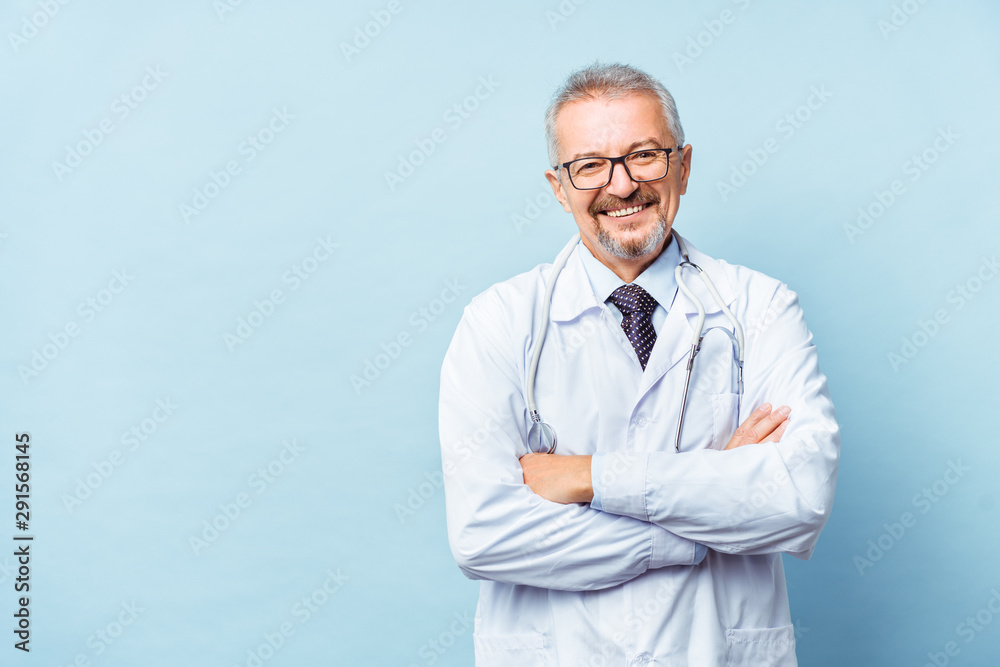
x,y
593,173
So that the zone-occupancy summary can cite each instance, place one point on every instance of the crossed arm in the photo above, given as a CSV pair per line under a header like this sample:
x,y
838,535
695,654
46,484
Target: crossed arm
x,y
498,528
524,519
566,479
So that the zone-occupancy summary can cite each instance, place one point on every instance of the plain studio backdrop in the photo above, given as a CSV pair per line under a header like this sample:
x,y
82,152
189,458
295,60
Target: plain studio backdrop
x,y
236,239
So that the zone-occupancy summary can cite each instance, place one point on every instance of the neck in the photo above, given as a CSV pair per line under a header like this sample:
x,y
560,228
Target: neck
x,y
626,269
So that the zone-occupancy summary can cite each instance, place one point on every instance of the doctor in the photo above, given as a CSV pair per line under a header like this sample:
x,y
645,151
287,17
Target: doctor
x,y
618,549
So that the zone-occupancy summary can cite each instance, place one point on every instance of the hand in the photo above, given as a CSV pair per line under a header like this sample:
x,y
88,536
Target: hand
x,y
561,479
761,426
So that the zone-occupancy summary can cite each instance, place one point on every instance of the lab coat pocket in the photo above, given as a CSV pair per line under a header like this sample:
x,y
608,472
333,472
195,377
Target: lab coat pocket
x,y
724,408
761,647
529,650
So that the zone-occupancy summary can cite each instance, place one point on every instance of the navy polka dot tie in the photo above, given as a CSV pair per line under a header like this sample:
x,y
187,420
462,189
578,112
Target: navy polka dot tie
x,y
637,308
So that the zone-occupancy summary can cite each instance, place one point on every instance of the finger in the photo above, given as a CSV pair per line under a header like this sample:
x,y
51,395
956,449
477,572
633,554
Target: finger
x,y
743,434
777,433
767,425
754,418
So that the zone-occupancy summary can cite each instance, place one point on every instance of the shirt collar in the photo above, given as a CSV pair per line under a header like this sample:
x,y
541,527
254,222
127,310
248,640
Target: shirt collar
x,y
575,292
658,278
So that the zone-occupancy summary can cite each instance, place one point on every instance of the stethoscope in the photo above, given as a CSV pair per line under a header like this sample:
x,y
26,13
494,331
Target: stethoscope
x,y
541,435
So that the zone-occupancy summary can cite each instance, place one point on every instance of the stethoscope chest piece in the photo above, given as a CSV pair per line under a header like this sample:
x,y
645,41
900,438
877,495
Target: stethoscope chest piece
x,y
541,438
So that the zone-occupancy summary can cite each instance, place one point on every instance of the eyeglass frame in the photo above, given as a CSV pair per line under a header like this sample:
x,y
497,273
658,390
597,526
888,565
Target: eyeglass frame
x,y
614,161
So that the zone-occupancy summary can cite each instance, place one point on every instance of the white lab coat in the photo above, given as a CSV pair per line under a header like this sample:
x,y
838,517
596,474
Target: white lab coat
x,y
572,585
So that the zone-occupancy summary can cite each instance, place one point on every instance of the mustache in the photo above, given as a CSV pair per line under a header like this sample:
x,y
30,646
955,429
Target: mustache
x,y
610,201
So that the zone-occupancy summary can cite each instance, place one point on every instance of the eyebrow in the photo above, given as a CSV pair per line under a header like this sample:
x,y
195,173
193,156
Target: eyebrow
x,y
634,146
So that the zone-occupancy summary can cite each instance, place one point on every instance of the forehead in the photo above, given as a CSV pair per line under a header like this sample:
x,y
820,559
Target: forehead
x,y
609,127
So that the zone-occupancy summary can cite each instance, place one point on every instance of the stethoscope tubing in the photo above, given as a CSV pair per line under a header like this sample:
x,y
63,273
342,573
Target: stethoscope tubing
x,y
541,435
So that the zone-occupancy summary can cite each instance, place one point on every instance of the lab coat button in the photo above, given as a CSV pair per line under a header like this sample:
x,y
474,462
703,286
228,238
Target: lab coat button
x,y
641,659
641,421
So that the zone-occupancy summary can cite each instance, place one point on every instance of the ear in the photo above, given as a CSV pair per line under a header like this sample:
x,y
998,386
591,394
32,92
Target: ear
x,y
557,188
685,167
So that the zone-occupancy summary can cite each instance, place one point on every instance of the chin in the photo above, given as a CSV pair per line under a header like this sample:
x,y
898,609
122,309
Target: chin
x,y
633,244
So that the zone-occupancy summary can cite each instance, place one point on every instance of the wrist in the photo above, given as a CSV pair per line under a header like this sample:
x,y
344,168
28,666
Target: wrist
x,y
585,492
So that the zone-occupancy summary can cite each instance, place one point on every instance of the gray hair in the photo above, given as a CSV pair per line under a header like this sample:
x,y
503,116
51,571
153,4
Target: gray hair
x,y
609,82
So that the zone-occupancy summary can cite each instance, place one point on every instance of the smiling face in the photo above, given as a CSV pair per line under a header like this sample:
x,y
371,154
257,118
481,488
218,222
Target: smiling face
x,y
624,224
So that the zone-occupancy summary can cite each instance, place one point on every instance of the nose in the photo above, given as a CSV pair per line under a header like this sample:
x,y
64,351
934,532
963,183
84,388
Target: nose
x,y
621,184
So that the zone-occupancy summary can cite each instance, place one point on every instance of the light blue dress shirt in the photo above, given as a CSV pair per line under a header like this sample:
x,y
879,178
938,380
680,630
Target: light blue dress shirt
x,y
658,279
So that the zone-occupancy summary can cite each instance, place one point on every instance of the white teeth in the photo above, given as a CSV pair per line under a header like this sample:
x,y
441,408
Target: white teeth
x,y
624,211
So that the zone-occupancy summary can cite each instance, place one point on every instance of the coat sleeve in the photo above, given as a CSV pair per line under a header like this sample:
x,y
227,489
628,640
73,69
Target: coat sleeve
x,y
756,499
498,529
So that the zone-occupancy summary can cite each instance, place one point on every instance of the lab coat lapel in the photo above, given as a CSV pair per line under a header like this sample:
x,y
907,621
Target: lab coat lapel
x,y
572,294
673,342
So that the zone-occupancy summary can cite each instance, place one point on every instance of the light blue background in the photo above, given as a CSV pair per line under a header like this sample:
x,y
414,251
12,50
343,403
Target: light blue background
x,y
336,506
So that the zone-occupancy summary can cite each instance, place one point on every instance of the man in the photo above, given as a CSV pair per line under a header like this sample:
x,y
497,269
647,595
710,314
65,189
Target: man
x,y
620,549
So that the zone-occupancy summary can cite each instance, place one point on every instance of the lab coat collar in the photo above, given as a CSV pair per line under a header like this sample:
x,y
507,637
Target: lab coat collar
x,y
713,268
573,294
658,278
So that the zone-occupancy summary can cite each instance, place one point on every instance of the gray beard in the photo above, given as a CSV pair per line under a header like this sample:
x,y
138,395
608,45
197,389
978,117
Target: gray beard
x,y
632,249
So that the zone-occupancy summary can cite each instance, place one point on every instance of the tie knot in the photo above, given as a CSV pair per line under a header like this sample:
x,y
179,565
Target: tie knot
x,y
631,298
